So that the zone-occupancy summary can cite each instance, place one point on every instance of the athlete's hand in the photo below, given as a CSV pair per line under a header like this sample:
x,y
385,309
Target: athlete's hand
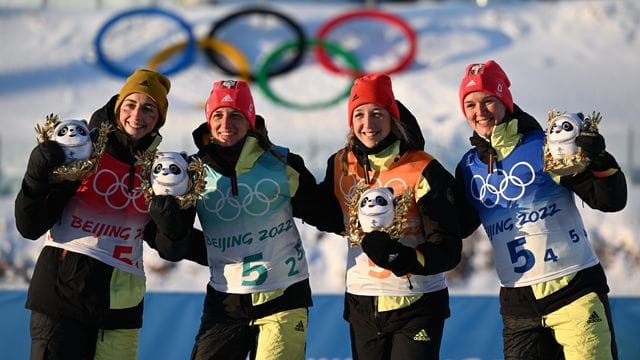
x,y
591,143
171,220
593,146
43,159
388,253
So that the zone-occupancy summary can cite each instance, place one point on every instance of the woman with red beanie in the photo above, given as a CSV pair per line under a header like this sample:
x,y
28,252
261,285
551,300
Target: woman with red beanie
x,y
87,290
396,299
258,295
553,295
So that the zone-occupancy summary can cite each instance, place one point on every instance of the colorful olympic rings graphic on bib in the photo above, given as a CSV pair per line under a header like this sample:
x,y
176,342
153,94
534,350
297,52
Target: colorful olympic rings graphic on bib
x,y
231,60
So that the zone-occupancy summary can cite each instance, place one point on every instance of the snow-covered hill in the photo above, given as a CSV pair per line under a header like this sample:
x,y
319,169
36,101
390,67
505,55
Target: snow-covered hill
x,y
566,55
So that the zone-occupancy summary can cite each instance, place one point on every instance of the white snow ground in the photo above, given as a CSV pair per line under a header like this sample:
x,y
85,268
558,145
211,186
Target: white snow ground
x,y
565,55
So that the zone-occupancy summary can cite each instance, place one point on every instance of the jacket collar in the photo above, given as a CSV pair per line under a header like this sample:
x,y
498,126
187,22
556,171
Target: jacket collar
x,y
506,135
232,160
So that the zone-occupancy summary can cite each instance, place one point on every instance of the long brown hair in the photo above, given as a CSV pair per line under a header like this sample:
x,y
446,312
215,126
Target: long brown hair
x,y
260,133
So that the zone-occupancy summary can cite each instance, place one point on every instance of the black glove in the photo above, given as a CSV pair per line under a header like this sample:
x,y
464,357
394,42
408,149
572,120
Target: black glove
x,y
593,146
171,220
388,253
44,158
591,143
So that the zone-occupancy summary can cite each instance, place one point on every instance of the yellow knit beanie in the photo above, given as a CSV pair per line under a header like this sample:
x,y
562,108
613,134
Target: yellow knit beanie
x,y
150,83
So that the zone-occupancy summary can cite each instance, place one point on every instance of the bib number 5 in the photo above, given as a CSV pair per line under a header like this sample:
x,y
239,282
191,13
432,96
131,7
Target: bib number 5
x,y
248,269
518,252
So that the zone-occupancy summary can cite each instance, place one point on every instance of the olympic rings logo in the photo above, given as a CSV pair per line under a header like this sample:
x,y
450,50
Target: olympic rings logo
x,y
255,202
348,184
227,57
116,194
502,185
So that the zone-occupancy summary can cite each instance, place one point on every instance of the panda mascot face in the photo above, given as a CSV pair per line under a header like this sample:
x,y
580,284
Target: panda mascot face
x,y
73,136
169,174
561,135
376,208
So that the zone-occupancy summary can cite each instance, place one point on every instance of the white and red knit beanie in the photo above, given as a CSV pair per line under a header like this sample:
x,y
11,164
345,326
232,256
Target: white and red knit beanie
x,y
488,77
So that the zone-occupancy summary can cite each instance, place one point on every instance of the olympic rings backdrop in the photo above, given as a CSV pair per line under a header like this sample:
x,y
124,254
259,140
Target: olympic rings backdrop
x,y
173,48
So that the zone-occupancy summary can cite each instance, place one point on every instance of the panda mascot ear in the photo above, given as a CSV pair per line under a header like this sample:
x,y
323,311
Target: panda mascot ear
x,y
188,158
94,133
396,199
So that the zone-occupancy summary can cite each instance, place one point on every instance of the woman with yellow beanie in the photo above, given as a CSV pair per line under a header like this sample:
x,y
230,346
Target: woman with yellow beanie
x,y
86,294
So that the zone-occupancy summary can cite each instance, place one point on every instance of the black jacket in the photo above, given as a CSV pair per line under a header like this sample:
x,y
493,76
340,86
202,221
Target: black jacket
x,y
442,249
223,160
605,194
192,245
67,284
608,194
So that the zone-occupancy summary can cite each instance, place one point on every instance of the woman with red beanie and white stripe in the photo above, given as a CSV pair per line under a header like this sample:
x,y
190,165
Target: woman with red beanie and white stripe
x,y
258,294
396,299
553,295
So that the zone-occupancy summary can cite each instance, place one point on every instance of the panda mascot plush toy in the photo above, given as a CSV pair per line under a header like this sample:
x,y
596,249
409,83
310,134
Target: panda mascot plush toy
x,y
74,138
169,175
376,209
561,135
561,154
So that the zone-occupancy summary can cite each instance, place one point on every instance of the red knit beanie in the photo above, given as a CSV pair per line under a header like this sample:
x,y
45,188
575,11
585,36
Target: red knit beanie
x,y
232,93
373,89
488,77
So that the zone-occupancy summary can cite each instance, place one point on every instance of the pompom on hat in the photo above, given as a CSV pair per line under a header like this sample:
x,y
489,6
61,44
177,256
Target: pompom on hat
x,y
232,93
488,77
151,83
373,89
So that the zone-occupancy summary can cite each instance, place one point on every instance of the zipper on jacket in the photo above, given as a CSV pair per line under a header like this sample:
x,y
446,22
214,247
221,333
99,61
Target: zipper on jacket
x,y
409,279
376,316
132,177
490,168
491,151
366,169
234,184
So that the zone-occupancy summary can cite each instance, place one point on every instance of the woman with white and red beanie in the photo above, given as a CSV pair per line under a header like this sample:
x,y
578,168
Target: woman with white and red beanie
x,y
87,291
396,299
553,295
258,295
